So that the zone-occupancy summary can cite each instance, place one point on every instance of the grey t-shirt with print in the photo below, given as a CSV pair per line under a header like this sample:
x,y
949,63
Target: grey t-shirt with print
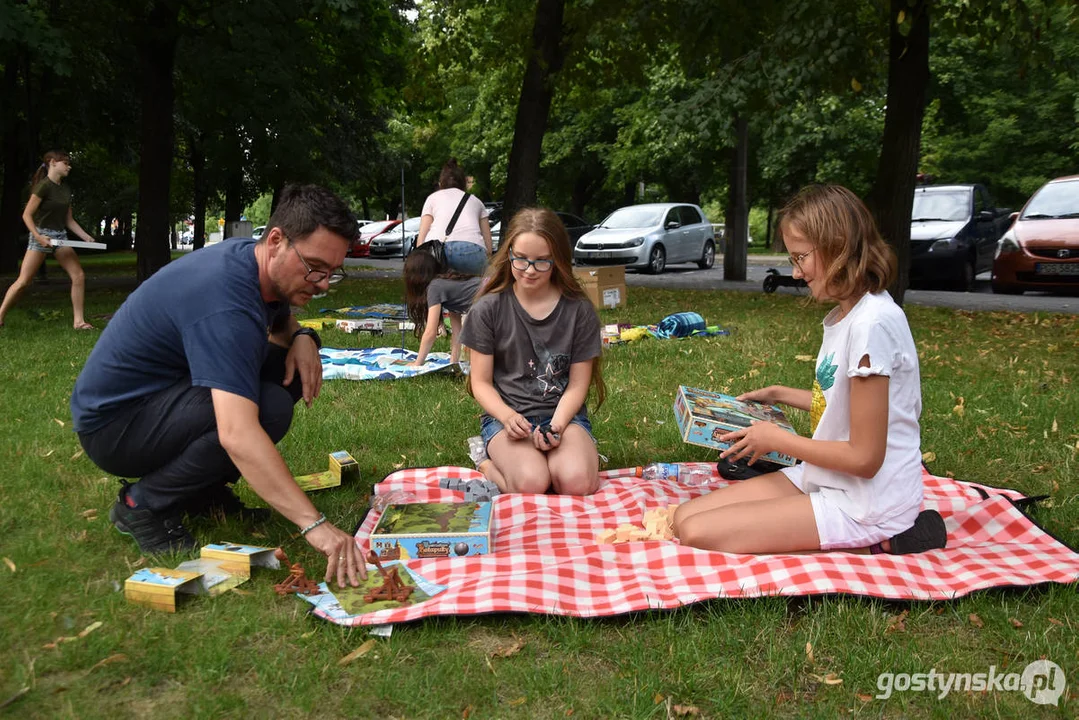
x,y
532,357
453,295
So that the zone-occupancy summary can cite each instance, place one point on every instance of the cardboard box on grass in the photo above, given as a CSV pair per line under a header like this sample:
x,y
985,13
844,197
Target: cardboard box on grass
x,y
704,416
342,467
240,559
427,530
604,286
157,587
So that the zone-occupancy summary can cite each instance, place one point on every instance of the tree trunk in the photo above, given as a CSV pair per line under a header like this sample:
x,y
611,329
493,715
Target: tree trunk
x,y
198,192
537,90
11,225
157,52
892,196
234,201
737,230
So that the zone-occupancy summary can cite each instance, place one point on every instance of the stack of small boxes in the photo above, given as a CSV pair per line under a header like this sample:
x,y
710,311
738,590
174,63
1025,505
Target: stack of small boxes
x,y
658,525
474,490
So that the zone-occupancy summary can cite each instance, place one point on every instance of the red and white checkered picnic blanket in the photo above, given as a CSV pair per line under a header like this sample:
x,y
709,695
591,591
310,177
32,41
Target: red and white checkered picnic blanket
x,y
546,559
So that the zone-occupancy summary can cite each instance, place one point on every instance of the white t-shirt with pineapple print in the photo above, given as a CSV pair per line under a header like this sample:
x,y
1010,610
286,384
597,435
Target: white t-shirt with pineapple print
x,y
875,327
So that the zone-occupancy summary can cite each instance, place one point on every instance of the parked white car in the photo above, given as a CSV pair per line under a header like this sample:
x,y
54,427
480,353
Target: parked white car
x,y
649,237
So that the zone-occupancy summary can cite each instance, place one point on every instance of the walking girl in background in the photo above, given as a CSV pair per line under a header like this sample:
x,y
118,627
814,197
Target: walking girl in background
x,y
428,293
535,351
468,238
859,486
48,217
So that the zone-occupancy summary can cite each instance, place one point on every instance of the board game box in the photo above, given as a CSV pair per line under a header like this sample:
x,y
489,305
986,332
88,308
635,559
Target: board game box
x,y
704,416
427,530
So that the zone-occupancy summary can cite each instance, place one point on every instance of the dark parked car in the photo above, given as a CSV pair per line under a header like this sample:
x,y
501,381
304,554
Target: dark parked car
x,y
953,234
1041,249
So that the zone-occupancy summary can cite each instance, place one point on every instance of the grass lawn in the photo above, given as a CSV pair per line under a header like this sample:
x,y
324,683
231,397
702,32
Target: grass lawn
x,y
1000,407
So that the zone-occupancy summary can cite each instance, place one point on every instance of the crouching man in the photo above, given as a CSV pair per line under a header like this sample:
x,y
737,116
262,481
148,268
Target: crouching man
x,y
193,382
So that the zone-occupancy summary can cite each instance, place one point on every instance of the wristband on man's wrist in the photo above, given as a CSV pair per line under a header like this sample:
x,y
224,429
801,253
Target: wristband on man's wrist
x,y
309,333
312,526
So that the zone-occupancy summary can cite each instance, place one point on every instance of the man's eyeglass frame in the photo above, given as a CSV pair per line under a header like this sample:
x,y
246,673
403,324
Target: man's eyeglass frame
x,y
316,276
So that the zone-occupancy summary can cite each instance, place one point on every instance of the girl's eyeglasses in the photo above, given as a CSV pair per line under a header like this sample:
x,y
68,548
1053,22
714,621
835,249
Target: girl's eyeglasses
x,y
522,264
796,260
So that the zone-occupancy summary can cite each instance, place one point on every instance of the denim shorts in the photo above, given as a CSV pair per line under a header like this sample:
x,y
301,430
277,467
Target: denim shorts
x,y
466,257
489,427
50,234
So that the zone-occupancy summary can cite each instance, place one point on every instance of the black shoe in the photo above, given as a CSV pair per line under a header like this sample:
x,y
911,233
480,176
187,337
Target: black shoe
x,y
155,533
927,533
220,501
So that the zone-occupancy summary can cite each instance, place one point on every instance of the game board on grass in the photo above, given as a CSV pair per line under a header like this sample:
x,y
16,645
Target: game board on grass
x,y
347,605
383,363
545,558
382,310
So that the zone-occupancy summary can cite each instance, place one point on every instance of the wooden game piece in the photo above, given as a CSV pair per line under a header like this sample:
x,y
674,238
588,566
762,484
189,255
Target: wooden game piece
x,y
392,588
297,580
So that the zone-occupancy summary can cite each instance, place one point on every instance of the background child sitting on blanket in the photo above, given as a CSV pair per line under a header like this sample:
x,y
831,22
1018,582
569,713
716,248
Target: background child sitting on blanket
x,y
860,483
535,345
428,293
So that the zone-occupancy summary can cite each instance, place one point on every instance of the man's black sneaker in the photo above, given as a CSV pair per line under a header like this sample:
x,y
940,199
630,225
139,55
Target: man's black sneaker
x,y
155,533
220,501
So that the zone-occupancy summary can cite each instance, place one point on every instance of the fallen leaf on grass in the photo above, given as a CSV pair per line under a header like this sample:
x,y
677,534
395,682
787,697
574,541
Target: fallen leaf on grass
x,y
976,621
959,410
865,698
683,710
357,653
518,701
829,679
118,657
10,564
1015,623
1055,621
929,456
466,713
509,649
809,652
898,622
658,698
77,455
90,514
804,358
58,421
90,628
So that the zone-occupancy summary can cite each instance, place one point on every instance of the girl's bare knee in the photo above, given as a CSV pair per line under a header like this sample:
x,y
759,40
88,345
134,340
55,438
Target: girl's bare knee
x,y
528,482
78,277
577,483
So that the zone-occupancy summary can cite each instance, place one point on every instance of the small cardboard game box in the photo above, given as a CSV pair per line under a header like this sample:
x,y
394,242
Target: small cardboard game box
x,y
157,587
343,467
604,286
428,530
704,416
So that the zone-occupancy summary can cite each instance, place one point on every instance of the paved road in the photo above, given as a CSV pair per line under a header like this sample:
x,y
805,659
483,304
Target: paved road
x,y
693,278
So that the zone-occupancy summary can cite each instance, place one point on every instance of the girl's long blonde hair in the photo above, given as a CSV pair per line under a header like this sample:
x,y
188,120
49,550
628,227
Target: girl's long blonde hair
x,y
841,228
546,224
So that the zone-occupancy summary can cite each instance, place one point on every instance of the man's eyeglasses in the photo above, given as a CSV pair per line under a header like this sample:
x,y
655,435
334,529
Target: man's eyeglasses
x,y
522,264
316,276
796,260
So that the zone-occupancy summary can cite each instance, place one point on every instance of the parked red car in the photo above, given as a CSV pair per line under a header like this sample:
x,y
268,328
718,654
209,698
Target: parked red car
x,y
1041,249
361,246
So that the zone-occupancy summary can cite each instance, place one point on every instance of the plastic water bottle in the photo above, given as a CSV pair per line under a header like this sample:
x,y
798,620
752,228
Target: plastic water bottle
x,y
691,476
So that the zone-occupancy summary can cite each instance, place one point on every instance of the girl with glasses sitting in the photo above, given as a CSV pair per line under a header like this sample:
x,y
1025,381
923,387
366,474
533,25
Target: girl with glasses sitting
x,y
535,352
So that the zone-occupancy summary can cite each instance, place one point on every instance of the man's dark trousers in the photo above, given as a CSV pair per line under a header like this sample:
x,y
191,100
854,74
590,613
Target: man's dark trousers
x,y
169,439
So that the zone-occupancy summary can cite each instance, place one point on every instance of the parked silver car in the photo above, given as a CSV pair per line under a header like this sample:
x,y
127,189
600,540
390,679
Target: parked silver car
x,y
649,237
396,241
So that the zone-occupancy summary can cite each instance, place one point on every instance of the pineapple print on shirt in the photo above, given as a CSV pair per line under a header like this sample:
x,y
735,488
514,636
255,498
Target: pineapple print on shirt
x,y
824,380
